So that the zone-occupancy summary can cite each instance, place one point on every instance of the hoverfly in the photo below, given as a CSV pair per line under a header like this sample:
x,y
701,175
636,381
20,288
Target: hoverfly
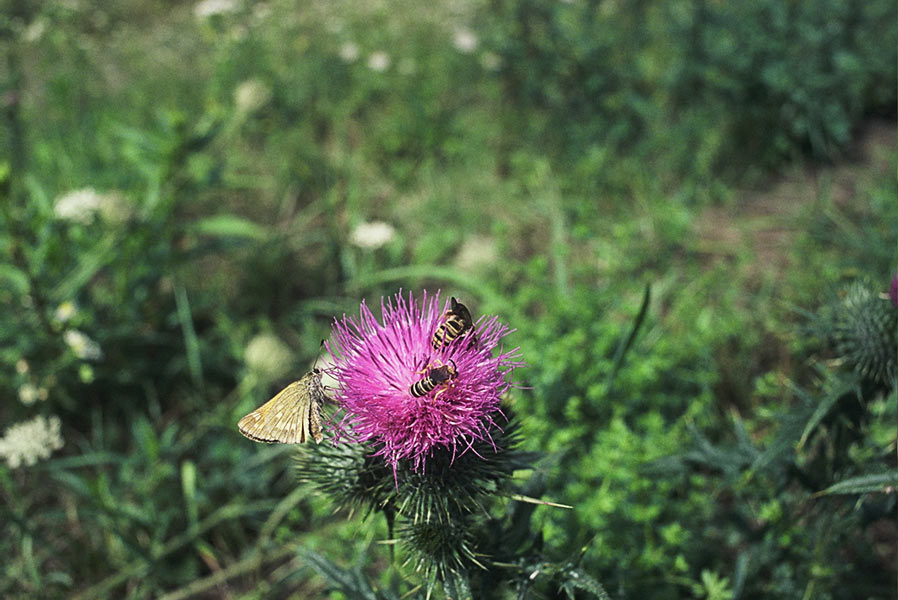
x,y
292,416
434,377
456,321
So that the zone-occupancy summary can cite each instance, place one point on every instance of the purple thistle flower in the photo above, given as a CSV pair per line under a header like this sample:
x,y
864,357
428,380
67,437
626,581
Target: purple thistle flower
x,y
375,364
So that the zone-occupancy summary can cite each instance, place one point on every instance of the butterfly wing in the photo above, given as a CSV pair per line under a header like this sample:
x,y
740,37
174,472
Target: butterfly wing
x,y
291,417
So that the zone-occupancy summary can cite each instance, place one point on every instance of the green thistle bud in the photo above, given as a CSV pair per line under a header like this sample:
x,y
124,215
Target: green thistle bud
x,y
865,333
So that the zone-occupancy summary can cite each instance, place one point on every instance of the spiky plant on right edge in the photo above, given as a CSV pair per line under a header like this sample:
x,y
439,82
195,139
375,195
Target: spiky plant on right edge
x,y
864,329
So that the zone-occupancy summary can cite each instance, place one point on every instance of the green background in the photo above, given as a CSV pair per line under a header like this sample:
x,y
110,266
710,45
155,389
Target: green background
x,y
738,158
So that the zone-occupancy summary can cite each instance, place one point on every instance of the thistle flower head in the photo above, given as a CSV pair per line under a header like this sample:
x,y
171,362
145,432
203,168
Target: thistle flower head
x,y
377,362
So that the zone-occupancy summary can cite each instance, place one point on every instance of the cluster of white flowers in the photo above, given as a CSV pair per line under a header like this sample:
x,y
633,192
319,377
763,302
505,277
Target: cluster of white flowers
x,y
268,356
464,40
35,30
65,311
251,95
379,61
81,206
207,8
372,235
30,393
29,441
83,347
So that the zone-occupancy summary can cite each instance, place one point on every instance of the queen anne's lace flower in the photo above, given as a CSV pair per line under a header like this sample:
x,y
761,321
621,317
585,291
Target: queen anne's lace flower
x,y
83,347
79,206
349,52
375,363
29,394
372,235
84,205
464,40
208,8
251,95
379,61
65,311
27,442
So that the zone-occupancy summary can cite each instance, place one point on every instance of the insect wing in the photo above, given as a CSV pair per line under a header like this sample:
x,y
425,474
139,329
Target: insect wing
x,y
291,417
463,313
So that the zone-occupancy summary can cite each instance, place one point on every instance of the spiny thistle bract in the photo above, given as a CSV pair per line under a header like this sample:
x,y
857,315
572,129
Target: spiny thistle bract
x,y
442,514
864,329
353,477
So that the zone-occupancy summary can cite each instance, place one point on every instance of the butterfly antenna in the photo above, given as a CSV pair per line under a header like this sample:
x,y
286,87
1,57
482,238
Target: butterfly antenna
x,y
318,355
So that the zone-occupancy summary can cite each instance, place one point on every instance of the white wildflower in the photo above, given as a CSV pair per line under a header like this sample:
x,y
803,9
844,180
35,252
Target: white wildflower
x,y
379,61
28,394
35,30
251,95
207,8
65,311
83,347
261,11
26,442
268,356
349,52
22,366
464,40
81,206
373,235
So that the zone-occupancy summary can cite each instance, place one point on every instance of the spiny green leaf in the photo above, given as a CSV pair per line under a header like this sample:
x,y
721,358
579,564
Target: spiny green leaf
x,y
864,484
349,581
191,341
577,579
842,387
457,587
790,431
625,344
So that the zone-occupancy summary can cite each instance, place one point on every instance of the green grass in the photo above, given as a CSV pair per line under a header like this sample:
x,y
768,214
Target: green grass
x,y
574,157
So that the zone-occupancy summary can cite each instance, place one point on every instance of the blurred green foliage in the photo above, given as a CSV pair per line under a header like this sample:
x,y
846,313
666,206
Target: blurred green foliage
x,y
542,160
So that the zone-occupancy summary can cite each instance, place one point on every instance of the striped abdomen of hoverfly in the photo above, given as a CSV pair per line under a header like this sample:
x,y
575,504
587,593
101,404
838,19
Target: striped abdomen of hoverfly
x,y
456,322
434,377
